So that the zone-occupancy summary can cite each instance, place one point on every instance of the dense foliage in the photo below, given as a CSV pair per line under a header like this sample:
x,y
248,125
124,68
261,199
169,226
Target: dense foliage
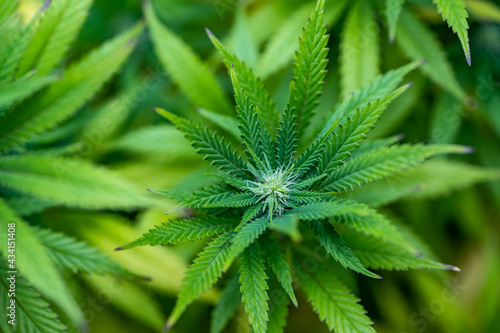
x,y
314,195
284,186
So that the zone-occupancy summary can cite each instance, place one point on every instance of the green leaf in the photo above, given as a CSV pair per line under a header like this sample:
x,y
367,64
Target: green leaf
x,y
234,200
419,43
183,230
337,247
382,163
20,89
33,313
335,207
14,39
248,121
246,235
226,306
359,58
76,256
125,295
55,32
446,119
376,144
393,9
288,225
378,254
157,142
7,9
453,11
40,273
202,274
228,123
186,69
253,211
484,10
278,309
277,261
279,51
306,197
212,147
254,288
80,82
207,195
252,85
429,180
70,182
309,68
311,155
349,134
380,88
333,302
376,225
286,139
25,205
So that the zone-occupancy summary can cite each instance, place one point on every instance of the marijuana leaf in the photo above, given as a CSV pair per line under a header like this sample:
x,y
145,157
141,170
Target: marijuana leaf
x,y
272,187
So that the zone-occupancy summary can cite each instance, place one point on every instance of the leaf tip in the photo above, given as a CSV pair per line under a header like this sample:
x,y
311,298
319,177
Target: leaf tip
x,y
452,268
46,5
168,326
469,62
468,149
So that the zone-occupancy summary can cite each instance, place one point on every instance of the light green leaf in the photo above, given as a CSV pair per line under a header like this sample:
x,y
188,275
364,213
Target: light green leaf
x,y
55,31
228,123
277,261
280,49
70,182
446,119
359,58
61,99
309,68
212,147
33,313
333,302
419,43
378,254
76,256
288,225
20,89
453,11
252,85
254,288
226,306
246,235
335,207
157,141
183,230
186,69
430,180
379,164
393,9
125,296
40,273
350,133
202,274
336,246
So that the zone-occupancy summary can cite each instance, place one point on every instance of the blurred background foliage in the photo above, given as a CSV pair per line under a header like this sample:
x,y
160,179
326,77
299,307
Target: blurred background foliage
x,y
456,104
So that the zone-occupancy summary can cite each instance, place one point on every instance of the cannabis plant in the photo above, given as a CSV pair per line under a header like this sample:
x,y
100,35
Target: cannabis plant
x,y
281,211
37,92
